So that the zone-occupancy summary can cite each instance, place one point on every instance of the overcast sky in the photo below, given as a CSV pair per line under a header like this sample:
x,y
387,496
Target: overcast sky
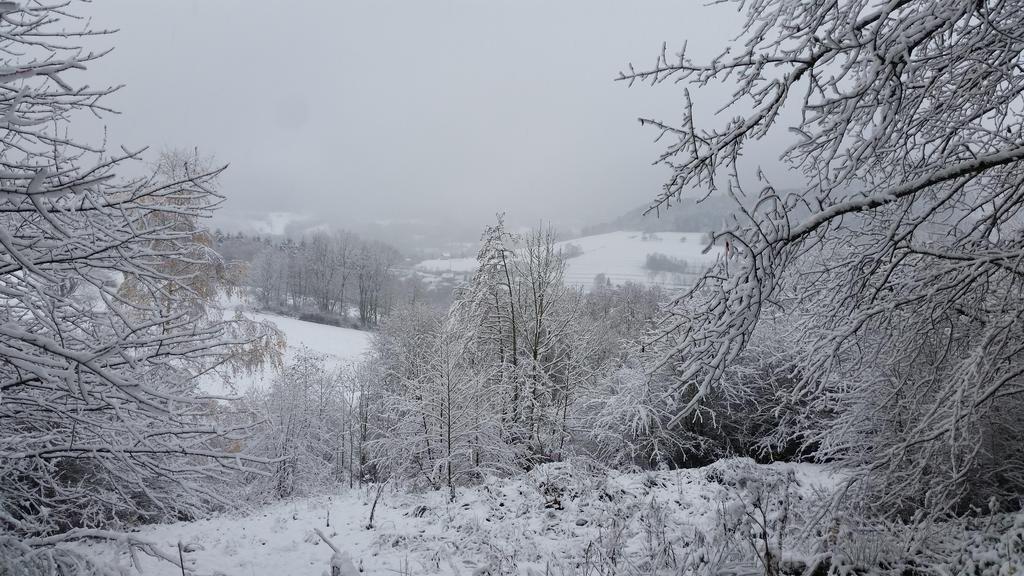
x,y
381,109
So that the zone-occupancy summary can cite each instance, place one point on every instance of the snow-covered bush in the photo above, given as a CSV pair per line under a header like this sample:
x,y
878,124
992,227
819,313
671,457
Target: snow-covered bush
x,y
19,559
631,424
570,250
564,481
305,410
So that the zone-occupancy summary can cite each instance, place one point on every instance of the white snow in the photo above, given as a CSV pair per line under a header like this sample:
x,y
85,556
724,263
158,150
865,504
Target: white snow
x,y
342,346
439,265
621,256
549,518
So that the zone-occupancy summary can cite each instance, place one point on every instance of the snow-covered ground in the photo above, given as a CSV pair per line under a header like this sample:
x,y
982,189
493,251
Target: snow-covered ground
x,y
549,521
621,256
342,346
442,265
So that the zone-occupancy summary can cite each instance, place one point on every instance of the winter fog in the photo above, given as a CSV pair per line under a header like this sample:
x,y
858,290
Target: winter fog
x,y
511,288
355,113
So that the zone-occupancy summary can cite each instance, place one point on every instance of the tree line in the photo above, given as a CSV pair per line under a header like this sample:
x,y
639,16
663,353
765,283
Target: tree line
x,y
326,275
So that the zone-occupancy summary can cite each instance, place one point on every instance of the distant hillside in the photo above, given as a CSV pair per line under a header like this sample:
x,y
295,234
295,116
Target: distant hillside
x,y
422,238
685,216
668,259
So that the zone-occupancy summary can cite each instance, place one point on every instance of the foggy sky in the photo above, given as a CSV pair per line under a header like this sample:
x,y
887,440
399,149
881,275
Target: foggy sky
x,y
388,110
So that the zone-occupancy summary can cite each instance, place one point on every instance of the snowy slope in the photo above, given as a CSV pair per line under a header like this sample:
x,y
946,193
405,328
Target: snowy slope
x,y
441,265
342,346
543,522
620,256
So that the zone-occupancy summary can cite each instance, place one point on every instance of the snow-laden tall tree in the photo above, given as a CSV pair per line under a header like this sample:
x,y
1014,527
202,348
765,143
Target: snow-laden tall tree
x,y
457,364
489,295
558,344
440,411
902,257
100,342
496,381
488,307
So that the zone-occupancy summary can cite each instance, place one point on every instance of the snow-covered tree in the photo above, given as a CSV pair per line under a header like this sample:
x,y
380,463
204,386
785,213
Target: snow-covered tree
x,y
630,425
100,342
330,260
496,381
490,293
374,265
268,276
304,411
627,311
441,419
902,256
557,348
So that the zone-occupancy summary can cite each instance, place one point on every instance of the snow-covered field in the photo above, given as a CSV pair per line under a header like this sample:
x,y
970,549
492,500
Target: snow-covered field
x,y
442,265
621,256
342,346
550,521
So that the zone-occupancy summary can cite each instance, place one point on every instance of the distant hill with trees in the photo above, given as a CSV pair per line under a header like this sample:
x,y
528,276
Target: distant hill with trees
x,y
688,215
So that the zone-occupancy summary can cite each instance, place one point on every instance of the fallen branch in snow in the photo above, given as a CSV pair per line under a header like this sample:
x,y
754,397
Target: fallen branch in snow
x,y
132,542
181,557
369,524
327,540
341,562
